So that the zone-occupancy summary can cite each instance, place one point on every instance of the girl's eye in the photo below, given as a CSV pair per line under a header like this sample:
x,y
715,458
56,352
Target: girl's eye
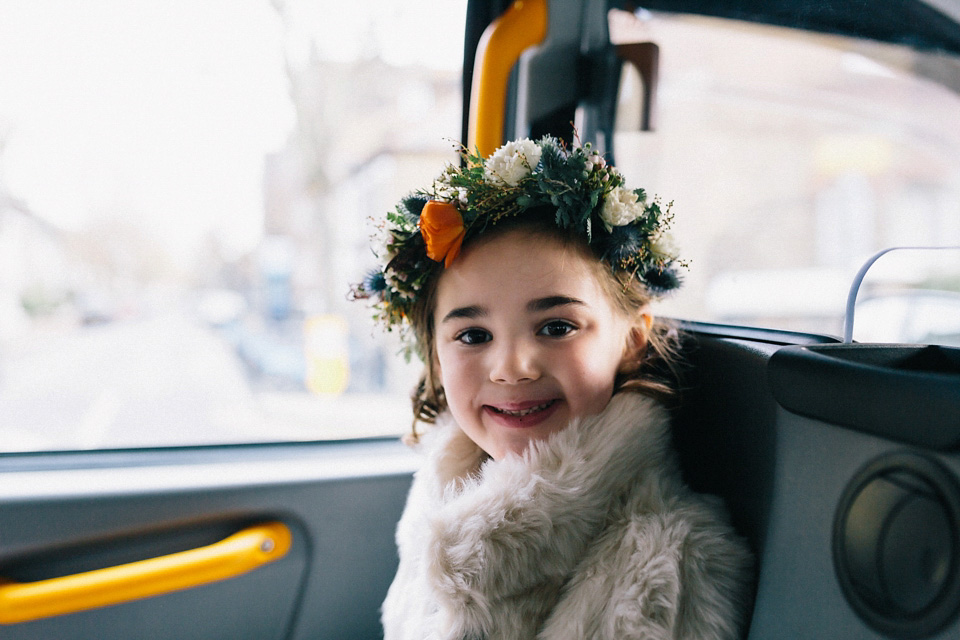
x,y
557,329
473,336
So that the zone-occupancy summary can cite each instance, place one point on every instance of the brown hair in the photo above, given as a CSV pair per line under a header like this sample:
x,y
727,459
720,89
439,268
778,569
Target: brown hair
x,y
652,371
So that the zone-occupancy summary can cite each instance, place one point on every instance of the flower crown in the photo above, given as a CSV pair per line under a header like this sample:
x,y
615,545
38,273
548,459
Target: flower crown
x,y
586,195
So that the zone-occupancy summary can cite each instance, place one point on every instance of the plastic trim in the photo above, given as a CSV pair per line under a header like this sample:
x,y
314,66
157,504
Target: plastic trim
x,y
908,393
886,619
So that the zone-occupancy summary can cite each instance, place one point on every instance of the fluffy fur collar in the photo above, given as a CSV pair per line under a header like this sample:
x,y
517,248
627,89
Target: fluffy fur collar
x,y
488,546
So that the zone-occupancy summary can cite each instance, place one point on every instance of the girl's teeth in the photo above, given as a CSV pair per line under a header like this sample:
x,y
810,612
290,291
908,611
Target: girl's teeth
x,y
526,412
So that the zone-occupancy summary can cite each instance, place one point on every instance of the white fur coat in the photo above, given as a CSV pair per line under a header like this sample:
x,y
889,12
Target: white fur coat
x,y
591,534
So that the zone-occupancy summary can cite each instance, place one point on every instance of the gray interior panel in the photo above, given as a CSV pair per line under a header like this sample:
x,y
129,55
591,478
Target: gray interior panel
x,y
790,481
342,502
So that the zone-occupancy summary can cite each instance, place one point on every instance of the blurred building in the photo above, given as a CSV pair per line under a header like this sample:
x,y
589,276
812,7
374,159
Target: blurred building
x,y
366,135
34,268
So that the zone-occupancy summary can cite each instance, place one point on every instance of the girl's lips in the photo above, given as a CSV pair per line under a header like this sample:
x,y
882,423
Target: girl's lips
x,y
522,415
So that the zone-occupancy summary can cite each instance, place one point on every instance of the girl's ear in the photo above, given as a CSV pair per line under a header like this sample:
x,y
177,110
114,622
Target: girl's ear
x,y
637,341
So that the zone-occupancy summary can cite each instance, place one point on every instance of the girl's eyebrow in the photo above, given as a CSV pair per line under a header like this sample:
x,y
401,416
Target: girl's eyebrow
x,y
537,305
471,312
544,304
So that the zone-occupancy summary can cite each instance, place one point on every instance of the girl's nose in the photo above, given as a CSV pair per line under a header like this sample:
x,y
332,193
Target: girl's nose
x,y
514,362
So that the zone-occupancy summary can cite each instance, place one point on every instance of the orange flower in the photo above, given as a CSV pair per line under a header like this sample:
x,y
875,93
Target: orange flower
x,y
441,226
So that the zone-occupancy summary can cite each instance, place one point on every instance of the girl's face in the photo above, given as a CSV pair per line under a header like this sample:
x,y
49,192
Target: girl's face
x,y
526,339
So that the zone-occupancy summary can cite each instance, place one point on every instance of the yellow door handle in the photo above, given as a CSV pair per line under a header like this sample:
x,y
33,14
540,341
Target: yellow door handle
x,y
523,25
235,555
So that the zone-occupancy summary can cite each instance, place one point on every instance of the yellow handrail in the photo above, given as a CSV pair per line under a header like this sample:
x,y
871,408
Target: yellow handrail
x,y
237,554
521,26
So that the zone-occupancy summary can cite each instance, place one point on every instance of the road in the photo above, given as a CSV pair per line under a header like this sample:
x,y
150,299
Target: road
x,y
163,381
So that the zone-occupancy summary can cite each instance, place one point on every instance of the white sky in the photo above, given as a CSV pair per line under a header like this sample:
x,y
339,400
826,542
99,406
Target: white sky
x,y
164,109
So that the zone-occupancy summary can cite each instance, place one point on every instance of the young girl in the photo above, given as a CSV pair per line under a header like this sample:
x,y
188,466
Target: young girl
x,y
550,504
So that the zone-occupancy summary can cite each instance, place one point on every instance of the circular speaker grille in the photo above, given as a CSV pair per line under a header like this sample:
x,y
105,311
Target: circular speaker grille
x,y
896,545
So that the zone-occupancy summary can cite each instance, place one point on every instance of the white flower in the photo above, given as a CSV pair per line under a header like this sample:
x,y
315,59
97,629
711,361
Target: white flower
x,y
593,160
380,240
394,276
512,162
442,189
665,246
621,207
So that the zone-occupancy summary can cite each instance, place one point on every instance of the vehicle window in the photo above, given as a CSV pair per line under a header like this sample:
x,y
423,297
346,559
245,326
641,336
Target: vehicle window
x,y
184,195
792,158
911,295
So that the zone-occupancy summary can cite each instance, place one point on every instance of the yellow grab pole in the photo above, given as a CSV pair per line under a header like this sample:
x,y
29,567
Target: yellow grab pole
x,y
523,25
235,555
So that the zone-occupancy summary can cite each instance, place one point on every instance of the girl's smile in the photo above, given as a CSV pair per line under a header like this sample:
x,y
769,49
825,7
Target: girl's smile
x,y
526,340
521,415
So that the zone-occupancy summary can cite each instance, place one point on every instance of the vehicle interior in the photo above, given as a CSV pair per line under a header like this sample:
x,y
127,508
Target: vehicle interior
x,y
835,454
